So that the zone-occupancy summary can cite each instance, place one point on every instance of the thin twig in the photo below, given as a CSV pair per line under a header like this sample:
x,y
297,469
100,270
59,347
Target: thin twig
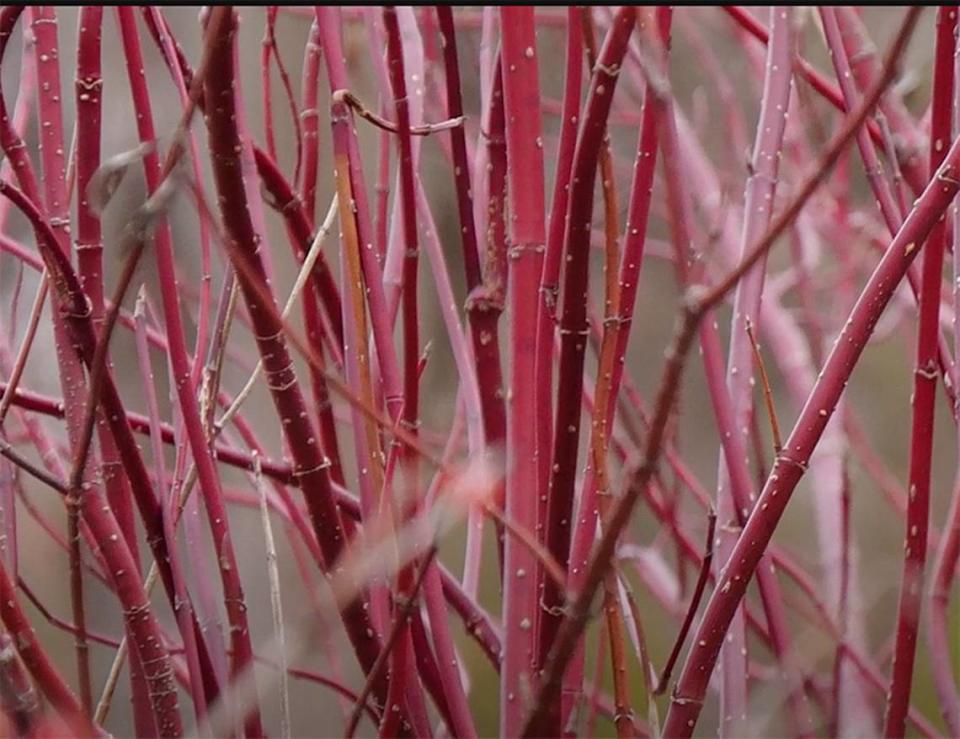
x,y
767,392
30,468
351,100
302,276
276,605
403,614
20,363
704,577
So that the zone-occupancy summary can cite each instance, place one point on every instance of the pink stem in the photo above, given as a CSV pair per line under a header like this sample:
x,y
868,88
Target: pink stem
x,y
527,238
156,447
157,25
879,184
758,202
488,299
310,122
328,19
916,174
865,65
89,246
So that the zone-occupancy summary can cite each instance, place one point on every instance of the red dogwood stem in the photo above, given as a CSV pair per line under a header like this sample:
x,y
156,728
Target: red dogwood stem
x,y
524,132
556,230
573,318
404,683
926,373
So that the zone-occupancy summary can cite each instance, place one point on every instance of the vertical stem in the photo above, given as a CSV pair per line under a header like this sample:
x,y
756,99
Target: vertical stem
x,y
160,31
485,289
89,247
267,47
599,430
310,122
56,199
403,674
469,402
276,604
527,235
926,372
758,210
89,96
367,448
573,319
941,652
842,605
557,228
634,242
488,300
328,18
153,412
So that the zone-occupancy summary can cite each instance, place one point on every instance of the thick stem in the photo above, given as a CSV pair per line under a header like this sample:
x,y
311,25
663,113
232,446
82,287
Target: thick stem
x,y
323,288
357,361
488,300
89,247
56,199
525,177
600,431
